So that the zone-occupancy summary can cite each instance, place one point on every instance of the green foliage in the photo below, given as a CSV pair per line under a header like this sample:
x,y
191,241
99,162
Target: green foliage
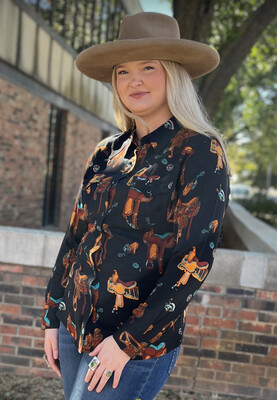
x,y
228,18
262,207
247,114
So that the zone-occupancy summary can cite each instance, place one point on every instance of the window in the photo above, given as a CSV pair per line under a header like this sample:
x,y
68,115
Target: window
x,y
53,179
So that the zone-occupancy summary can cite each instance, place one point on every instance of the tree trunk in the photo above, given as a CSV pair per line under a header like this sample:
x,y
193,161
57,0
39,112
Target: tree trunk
x,y
232,54
194,18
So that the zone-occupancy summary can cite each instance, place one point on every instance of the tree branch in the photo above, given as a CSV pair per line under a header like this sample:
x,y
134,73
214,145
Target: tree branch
x,y
233,54
194,18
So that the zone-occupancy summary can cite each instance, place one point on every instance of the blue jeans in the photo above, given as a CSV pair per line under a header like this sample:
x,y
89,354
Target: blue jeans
x,y
140,379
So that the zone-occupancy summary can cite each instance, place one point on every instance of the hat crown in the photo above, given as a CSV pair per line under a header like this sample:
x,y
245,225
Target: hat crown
x,y
148,25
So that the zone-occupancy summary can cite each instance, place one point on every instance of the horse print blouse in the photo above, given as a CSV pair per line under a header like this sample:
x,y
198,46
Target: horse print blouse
x,y
140,242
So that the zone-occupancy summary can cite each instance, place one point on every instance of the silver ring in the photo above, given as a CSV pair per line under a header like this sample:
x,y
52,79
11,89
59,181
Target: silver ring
x,y
108,373
45,358
94,363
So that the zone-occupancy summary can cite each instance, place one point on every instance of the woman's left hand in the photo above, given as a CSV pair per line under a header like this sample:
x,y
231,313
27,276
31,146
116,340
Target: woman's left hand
x,y
112,359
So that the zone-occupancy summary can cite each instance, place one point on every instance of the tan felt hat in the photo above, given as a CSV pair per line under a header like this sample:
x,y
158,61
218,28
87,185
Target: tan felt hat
x,y
147,36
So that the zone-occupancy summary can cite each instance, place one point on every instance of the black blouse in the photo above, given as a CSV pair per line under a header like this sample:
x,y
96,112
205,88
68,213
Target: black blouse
x,y
141,240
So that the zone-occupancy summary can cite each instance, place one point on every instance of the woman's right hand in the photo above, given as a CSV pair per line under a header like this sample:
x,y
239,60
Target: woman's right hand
x,y
51,349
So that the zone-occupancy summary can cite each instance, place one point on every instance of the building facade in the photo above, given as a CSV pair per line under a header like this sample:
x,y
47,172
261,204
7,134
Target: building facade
x,y
51,115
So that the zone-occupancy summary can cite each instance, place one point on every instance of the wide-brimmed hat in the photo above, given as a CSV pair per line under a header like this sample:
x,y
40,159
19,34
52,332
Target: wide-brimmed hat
x,y
147,36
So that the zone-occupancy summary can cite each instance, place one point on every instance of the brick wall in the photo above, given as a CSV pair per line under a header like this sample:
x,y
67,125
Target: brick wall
x,y
24,133
230,344
24,121
81,139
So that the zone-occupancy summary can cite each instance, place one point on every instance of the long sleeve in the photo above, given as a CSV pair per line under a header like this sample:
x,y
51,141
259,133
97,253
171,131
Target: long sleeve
x,y
197,209
77,227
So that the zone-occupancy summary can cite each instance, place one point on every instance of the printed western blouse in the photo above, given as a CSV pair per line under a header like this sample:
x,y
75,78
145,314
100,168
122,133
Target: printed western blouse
x,y
141,240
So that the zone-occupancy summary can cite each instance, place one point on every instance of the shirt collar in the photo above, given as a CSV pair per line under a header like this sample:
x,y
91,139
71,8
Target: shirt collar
x,y
160,137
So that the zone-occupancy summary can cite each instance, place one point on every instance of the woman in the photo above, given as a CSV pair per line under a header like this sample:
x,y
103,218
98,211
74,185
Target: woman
x,y
146,221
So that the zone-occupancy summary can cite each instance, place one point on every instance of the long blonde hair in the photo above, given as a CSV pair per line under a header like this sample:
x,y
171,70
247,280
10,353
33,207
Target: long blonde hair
x,y
183,102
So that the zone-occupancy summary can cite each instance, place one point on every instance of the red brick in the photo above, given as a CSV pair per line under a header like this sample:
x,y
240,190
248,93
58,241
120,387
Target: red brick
x,y
15,269
17,320
271,372
39,343
247,315
10,329
29,280
210,386
192,320
249,370
25,117
179,383
237,336
266,295
40,301
42,281
260,360
7,350
215,365
255,327
273,352
233,302
196,309
17,340
192,330
244,390
190,341
269,317
214,289
15,279
214,311
199,331
9,309
31,332
204,374
187,372
187,361
230,377
17,299
220,323
210,343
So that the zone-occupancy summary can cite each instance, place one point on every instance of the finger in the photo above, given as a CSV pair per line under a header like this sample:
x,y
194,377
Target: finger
x,y
96,377
102,383
116,378
89,375
55,349
51,361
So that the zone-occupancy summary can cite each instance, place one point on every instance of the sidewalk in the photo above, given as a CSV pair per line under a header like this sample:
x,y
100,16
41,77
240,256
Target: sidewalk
x,y
36,388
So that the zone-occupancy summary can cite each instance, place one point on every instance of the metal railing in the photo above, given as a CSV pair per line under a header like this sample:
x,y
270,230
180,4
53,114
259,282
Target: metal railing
x,y
81,23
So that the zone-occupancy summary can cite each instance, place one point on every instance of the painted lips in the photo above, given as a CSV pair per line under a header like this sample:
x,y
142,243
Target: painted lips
x,y
137,95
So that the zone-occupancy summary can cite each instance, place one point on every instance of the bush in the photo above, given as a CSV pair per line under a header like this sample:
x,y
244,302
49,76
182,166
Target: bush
x,y
261,207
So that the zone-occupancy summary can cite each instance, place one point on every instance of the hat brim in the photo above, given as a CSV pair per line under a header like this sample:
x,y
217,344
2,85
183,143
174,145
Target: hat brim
x,y
98,61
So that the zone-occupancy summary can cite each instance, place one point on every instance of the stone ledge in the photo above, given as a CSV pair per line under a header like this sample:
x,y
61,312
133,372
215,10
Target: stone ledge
x,y
255,234
231,267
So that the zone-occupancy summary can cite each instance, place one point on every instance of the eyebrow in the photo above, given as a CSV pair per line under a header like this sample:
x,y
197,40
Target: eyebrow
x,y
141,62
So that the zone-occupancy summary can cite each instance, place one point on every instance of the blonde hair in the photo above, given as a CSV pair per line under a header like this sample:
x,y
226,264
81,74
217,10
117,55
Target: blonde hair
x,y
183,102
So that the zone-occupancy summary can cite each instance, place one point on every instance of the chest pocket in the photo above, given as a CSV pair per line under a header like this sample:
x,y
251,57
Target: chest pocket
x,y
148,198
151,182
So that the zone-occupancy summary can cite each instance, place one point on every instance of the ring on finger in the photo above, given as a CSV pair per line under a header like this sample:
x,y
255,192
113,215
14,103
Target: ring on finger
x,y
46,359
108,373
94,363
